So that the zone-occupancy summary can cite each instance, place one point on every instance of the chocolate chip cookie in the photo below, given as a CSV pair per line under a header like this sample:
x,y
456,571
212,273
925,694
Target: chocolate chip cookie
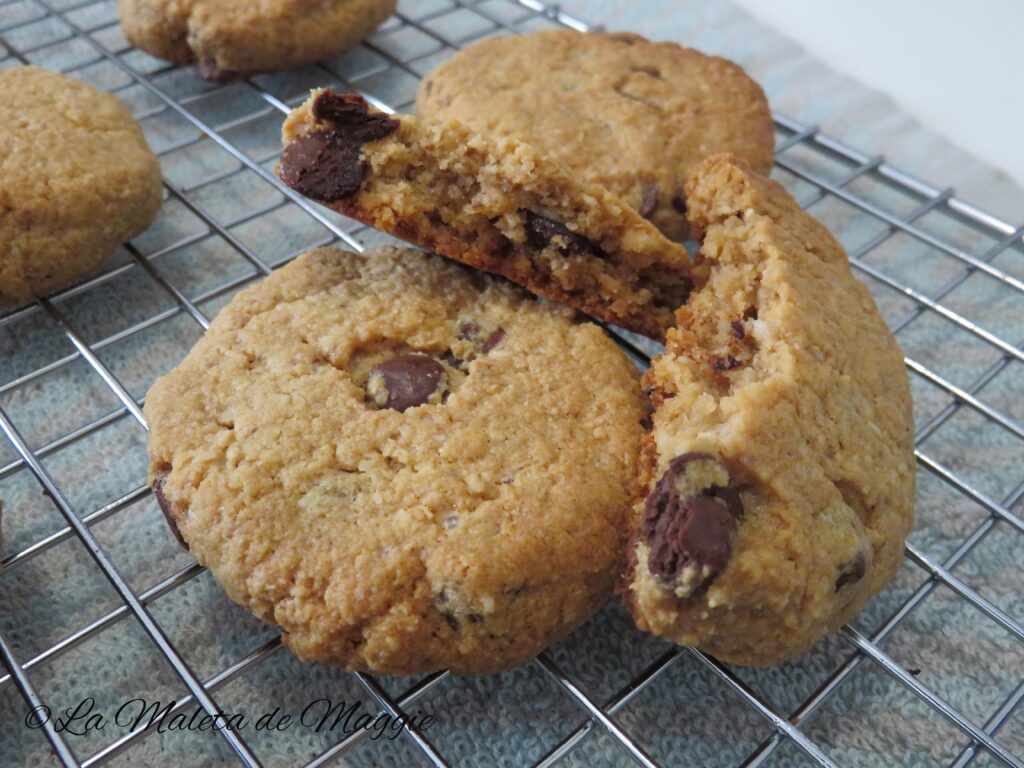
x,y
616,109
234,37
76,180
394,458
780,468
492,203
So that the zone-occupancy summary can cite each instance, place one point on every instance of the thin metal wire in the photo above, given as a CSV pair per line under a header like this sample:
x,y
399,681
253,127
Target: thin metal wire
x,y
784,729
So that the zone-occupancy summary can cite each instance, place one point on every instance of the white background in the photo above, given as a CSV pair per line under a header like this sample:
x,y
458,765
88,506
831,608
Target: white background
x,y
955,65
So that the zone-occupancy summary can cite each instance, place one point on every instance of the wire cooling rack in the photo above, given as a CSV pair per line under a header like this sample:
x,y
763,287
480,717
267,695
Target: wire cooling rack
x,y
96,602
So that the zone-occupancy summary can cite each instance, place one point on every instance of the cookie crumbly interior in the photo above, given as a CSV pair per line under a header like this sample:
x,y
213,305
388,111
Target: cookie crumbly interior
x,y
782,368
497,205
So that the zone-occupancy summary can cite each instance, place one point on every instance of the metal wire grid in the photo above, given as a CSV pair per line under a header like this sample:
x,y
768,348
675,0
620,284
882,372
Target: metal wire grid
x,y
89,31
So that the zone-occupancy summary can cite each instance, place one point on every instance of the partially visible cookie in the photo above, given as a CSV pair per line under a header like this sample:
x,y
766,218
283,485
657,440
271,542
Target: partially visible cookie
x,y
76,180
403,463
234,37
616,109
780,469
494,204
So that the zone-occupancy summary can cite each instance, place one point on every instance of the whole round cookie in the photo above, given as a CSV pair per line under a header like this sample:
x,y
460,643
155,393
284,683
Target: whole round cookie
x,y
616,109
76,180
404,464
234,37
780,469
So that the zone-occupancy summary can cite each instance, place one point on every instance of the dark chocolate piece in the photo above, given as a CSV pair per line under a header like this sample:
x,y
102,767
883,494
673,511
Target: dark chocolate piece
x,y
322,166
852,572
494,340
410,379
693,530
679,202
542,232
165,507
350,116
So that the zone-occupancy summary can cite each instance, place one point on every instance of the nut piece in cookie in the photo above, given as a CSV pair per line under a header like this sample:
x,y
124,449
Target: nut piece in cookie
x,y
494,204
780,466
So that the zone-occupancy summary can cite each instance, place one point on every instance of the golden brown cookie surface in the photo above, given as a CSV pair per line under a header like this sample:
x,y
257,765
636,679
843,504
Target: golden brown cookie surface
x,y
231,37
76,180
492,203
616,109
780,470
393,458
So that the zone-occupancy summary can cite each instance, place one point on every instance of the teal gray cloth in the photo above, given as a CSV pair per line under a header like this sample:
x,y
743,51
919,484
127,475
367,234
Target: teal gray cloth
x,y
689,715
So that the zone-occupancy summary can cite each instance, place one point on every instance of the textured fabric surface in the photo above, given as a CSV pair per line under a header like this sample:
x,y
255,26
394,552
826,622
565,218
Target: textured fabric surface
x,y
689,715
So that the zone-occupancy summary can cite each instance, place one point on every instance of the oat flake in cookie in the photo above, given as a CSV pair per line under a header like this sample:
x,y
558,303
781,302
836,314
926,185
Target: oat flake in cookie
x,y
494,204
615,109
227,38
780,468
394,459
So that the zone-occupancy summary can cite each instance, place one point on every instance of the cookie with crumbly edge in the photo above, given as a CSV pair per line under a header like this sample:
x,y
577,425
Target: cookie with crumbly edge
x,y
780,469
616,109
392,457
492,203
227,38
76,180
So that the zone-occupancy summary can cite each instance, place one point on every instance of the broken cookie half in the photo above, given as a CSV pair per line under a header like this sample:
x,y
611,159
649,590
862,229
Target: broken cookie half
x,y
494,204
780,466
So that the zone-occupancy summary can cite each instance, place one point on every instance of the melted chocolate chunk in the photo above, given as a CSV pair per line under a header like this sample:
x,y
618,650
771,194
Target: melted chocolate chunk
x,y
679,202
852,572
322,166
165,507
737,329
409,379
650,201
695,530
350,116
493,340
542,232
328,166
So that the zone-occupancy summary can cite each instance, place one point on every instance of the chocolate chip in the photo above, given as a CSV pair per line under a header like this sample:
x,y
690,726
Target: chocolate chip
x,y
727,363
451,359
542,232
409,380
452,621
650,201
852,572
322,166
350,116
469,331
165,507
737,329
690,531
494,340
209,70
328,166
679,202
